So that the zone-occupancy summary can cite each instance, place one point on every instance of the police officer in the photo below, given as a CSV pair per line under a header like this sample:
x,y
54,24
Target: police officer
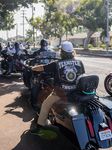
x,y
66,73
36,89
17,52
43,45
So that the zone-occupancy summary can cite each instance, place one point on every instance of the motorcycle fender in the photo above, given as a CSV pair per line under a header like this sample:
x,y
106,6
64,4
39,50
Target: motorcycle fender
x,y
80,130
110,74
97,119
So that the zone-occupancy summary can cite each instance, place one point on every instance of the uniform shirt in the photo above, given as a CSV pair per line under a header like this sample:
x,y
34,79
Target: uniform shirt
x,y
17,52
20,46
12,50
41,50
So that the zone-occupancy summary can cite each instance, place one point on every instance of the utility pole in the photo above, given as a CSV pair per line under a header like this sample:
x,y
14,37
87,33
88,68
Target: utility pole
x,y
23,15
16,32
7,34
107,26
33,9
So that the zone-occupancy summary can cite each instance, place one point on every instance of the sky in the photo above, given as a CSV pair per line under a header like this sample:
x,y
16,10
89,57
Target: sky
x,y
39,11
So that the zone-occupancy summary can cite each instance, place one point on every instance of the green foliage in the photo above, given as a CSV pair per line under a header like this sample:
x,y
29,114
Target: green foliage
x,y
67,7
8,23
77,45
110,48
7,7
29,33
103,46
92,14
1,39
55,22
90,46
87,12
28,39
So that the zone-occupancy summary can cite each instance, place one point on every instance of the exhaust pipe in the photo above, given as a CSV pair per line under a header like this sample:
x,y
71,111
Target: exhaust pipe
x,y
90,147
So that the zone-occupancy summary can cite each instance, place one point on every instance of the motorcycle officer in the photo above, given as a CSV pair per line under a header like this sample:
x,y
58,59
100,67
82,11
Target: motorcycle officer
x,y
36,89
66,71
43,45
17,52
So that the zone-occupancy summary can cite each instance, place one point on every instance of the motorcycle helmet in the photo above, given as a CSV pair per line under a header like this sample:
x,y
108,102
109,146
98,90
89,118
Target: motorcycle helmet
x,y
43,42
16,45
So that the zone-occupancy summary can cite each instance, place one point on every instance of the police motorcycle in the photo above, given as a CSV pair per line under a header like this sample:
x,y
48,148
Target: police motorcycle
x,y
85,119
44,58
18,66
29,55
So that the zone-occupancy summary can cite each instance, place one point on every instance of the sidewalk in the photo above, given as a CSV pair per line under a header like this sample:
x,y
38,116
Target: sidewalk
x,y
94,52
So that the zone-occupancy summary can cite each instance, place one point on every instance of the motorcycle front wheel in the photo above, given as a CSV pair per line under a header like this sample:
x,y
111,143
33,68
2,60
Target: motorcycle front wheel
x,y
108,84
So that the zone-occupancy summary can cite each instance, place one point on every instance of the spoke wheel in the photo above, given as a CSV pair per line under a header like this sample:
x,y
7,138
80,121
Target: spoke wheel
x,y
108,84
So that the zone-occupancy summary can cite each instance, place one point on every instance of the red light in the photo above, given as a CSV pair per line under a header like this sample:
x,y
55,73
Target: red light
x,y
103,129
109,122
90,128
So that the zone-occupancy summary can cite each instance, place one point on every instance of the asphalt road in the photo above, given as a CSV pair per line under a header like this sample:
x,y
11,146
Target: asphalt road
x,y
17,116
97,65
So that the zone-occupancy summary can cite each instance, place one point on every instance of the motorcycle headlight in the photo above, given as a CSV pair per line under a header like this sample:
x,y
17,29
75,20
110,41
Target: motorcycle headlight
x,y
73,112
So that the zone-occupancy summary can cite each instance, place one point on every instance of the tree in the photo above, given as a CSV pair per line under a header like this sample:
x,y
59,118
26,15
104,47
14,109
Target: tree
x,y
29,33
8,23
57,19
62,23
9,6
28,39
1,39
92,14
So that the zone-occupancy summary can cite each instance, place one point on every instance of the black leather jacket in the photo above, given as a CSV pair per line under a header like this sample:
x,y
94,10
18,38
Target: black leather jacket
x,y
42,49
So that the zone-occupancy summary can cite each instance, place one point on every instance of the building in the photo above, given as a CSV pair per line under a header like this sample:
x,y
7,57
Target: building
x,y
78,39
15,38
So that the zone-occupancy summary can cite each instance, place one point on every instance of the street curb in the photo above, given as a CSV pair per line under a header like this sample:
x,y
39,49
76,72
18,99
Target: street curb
x,y
98,55
92,53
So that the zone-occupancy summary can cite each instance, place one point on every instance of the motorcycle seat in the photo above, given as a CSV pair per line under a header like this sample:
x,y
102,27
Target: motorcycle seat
x,y
88,84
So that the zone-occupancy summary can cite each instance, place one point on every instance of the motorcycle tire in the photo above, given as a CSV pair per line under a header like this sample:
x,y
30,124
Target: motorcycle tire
x,y
24,80
4,72
108,84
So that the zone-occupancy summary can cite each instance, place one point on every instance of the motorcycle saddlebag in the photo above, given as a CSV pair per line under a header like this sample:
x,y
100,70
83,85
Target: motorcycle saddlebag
x,y
107,106
80,130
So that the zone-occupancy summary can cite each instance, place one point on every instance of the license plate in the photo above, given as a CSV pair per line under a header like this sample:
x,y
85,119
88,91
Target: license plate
x,y
104,135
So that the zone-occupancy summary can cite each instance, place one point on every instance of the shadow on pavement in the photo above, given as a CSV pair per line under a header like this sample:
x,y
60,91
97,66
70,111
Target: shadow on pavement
x,y
10,78
27,113
34,142
10,84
